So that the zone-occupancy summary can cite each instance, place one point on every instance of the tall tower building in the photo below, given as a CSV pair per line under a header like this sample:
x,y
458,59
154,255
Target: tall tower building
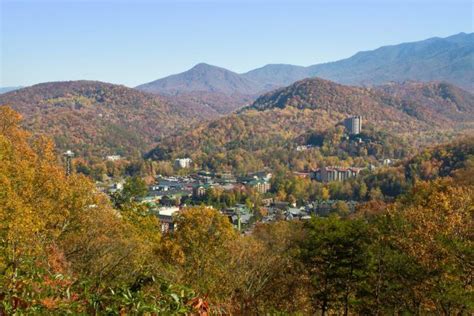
x,y
353,125
68,155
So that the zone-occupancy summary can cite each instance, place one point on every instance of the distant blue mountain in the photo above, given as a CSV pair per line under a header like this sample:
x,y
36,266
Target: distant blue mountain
x,y
448,59
8,89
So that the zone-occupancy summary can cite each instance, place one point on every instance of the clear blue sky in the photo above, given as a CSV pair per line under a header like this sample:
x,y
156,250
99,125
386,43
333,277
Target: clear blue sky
x,y
133,42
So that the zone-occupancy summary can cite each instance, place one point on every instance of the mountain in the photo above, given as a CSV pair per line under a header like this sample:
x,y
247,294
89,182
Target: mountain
x,y
203,78
267,131
277,74
449,59
95,118
214,90
8,89
219,91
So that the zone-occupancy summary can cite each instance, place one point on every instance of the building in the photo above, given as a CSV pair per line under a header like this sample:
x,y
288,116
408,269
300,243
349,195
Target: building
x,y
265,175
68,155
325,208
113,157
240,216
199,190
165,215
303,147
116,187
353,125
261,186
327,174
182,163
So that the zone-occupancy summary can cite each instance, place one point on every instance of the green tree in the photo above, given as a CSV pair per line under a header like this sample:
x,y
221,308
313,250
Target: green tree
x,y
335,254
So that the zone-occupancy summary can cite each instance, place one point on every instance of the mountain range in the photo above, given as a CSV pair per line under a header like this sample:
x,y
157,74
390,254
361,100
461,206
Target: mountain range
x,y
449,59
268,106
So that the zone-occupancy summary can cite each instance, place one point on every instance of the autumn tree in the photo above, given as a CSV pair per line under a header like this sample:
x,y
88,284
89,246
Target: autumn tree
x,y
200,246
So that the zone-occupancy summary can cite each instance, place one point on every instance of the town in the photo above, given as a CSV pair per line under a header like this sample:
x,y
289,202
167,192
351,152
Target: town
x,y
167,195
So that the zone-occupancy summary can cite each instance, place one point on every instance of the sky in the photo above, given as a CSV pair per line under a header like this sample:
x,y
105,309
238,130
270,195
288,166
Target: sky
x,y
134,42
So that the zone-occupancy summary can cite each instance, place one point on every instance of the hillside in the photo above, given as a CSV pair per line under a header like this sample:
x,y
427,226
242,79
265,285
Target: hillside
x,y
433,101
439,104
436,59
265,132
96,118
210,104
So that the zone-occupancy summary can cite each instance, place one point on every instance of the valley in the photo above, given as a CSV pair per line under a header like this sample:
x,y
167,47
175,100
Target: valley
x,y
340,188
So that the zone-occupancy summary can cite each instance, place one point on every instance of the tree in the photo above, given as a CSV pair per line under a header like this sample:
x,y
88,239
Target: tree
x,y
375,194
362,192
325,194
421,252
341,208
335,255
63,249
200,246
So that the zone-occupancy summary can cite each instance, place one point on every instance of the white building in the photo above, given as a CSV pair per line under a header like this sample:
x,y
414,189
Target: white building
x,y
113,157
183,163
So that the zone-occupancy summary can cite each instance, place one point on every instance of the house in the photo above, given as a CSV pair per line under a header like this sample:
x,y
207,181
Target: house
x,y
295,213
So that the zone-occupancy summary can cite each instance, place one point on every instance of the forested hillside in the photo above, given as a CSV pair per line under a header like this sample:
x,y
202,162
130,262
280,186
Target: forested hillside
x,y
433,102
210,105
97,119
267,132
